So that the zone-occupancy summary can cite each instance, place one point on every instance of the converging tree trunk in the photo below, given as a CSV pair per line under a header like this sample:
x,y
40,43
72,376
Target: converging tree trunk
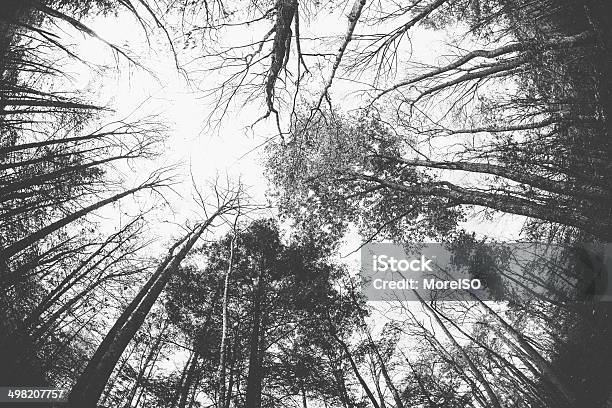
x,y
222,347
91,383
254,378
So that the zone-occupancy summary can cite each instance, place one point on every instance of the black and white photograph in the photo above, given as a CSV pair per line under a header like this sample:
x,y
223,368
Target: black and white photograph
x,y
305,204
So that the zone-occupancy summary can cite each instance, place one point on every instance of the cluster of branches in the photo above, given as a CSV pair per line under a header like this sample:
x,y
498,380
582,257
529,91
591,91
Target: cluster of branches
x,y
61,160
267,323
515,123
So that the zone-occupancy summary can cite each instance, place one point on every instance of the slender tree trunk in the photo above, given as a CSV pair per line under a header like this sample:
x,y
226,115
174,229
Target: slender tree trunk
x,y
151,357
381,397
187,380
477,373
543,365
180,384
349,356
222,347
526,383
254,378
194,389
383,367
14,14
186,386
39,332
230,385
424,391
148,375
346,401
112,383
90,384
23,243
304,400
121,321
76,275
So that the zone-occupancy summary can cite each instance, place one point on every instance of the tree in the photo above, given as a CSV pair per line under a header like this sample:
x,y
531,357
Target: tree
x,y
92,381
57,156
279,300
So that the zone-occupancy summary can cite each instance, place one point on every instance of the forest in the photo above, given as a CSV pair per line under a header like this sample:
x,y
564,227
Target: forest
x,y
132,277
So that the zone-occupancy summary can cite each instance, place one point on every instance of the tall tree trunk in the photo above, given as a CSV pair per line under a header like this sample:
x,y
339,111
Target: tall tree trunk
x,y
111,384
424,390
381,397
222,347
141,392
186,386
194,389
230,384
339,375
150,359
181,382
349,356
477,373
15,13
90,384
187,379
254,378
383,367
121,321
527,385
540,362
304,399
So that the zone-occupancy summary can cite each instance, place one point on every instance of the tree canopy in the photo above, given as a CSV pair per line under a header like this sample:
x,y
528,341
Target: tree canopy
x,y
452,121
